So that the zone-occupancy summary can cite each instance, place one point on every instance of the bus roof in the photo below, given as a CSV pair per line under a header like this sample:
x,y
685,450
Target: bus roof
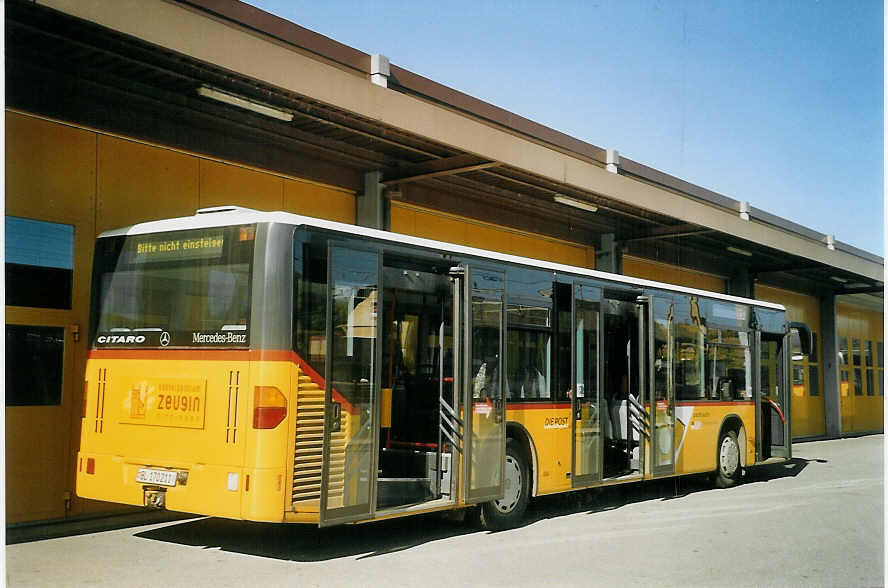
x,y
234,215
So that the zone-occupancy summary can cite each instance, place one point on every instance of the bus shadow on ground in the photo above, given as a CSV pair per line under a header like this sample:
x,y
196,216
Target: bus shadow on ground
x,y
308,543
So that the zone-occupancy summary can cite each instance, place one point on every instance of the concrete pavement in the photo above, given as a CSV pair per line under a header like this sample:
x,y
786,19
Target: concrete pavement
x,y
817,521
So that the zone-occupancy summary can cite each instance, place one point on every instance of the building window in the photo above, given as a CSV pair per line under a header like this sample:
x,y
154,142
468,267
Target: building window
x,y
843,350
39,263
813,381
34,361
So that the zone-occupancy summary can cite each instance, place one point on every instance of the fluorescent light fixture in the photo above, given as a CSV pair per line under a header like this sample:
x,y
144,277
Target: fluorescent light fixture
x,y
740,251
575,203
245,103
838,279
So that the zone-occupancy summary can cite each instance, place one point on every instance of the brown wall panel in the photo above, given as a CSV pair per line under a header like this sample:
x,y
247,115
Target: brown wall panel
x,y
222,183
808,406
414,220
652,270
319,201
50,176
139,182
863,412
50,170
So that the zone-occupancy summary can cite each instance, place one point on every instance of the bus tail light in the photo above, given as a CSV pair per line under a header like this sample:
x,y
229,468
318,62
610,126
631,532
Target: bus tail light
x,y
269,407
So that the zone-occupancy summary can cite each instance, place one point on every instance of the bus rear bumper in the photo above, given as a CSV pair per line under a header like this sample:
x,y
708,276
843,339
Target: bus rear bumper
x,y
212,490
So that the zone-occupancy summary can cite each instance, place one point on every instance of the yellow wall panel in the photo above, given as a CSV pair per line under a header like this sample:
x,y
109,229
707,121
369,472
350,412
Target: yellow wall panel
x,y
808,411
222,183
139,182
661,272
861,413
799,307
50,170
433,226
403,220
318,201
450,228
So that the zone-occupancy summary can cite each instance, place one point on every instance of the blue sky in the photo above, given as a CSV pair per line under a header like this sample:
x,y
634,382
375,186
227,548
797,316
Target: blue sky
x,y
777,103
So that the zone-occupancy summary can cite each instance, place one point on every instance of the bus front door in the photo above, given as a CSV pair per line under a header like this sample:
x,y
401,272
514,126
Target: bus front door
x,y
348,480
483,391
586,426
662,344
774,407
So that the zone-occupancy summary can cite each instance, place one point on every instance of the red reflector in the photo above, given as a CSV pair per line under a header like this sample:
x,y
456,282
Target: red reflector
x,y
247,483
268,417
90,465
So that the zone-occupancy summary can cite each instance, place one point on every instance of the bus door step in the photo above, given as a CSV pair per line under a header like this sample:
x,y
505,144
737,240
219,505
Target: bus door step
x,y
401,491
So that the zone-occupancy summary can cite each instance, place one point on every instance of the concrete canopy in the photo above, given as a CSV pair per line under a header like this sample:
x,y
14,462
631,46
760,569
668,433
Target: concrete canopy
x,y
137,68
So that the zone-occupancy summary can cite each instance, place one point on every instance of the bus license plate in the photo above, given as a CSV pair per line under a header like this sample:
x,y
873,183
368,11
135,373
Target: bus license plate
x,y
159,477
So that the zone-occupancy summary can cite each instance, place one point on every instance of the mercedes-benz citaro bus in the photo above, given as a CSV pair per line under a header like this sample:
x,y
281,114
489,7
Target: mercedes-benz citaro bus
x,y
273,367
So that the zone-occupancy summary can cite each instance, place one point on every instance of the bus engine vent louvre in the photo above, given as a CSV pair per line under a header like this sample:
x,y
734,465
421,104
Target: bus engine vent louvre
x,y
309,450
233,397
101,387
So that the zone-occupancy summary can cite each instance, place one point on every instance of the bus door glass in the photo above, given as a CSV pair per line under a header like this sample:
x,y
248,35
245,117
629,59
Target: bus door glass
x,y
774,400
585,319
663,401
485,423
352,380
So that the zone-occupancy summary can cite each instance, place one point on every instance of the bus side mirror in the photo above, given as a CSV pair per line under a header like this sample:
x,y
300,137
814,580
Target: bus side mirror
x,y
806,340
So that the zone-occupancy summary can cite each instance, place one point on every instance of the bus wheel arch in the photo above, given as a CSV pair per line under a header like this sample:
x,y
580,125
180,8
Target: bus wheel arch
x,y
519,433
730,452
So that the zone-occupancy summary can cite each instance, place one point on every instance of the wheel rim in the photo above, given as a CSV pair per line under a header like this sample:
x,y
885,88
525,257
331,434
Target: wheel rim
x,y
511,487
729,457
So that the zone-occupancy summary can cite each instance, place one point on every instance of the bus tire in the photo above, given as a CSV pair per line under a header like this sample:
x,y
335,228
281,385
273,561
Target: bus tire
x,y
728,469
508,511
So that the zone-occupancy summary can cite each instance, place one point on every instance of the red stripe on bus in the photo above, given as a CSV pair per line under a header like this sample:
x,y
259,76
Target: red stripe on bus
x,y
536,405
710,403
195,354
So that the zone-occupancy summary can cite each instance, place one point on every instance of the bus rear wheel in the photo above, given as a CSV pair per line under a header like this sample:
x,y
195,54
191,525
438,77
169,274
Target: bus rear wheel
x,y
728,468
508,511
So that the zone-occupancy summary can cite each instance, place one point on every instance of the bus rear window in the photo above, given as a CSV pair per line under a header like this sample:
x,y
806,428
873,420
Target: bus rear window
x,y
175,289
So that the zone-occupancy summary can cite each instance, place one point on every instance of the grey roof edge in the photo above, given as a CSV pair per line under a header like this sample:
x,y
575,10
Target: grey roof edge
x,y
859,252
272,25
633,168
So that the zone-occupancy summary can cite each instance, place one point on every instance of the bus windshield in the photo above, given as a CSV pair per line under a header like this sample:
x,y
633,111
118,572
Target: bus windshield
x,y
175,289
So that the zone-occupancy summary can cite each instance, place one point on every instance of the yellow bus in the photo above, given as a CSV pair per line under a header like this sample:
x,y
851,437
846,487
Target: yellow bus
x,y
273,367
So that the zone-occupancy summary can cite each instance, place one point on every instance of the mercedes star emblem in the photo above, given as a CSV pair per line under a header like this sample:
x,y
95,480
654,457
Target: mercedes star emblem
x,y
164,339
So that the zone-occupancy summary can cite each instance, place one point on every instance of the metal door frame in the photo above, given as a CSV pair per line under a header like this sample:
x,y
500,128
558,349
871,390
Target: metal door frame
x,y
493,492
667,469
587,479
355,512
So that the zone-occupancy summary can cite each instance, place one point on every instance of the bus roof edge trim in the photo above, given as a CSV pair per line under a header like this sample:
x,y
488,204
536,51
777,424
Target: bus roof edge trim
x,y
239,216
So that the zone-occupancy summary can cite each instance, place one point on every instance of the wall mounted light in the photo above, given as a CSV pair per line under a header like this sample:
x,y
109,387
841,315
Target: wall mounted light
x,y
245,103
575,203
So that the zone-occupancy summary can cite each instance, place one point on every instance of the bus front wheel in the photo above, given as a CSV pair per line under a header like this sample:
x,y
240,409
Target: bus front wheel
x,y
508,511
728,468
